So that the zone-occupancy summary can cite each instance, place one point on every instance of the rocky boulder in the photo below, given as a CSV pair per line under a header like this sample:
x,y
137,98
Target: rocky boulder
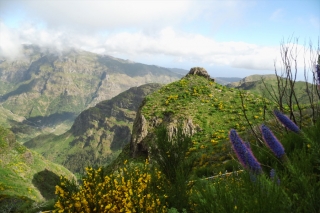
x,y
200,71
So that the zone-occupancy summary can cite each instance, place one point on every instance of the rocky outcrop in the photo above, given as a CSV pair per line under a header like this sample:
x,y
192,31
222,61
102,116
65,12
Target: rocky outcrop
x,y
200,71
143,131
139,133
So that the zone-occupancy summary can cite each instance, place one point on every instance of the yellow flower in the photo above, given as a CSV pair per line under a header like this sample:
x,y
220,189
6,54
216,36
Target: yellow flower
x,y
108,206
77,204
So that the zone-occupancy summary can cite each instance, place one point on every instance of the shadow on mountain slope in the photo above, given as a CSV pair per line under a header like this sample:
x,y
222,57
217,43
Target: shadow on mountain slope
x,y
46,181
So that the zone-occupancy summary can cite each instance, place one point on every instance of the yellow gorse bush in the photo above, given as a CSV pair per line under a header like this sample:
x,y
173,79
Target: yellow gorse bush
x,y
127,190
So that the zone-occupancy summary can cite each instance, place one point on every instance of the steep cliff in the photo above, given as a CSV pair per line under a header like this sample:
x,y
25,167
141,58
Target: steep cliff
x,y
98,134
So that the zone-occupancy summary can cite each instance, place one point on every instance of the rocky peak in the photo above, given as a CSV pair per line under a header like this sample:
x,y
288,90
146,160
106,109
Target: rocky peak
x,y
200,71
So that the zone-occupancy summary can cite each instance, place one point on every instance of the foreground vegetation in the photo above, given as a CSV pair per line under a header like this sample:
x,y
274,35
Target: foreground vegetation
x,y
287,183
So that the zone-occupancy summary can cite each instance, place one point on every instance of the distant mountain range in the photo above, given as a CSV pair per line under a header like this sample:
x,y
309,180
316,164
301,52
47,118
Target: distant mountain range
x,y
227,80
219,80
258,84
46,91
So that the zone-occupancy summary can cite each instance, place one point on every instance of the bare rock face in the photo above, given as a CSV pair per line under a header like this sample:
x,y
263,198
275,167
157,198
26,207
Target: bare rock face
x,y
188,128
200,71
143,131
139,132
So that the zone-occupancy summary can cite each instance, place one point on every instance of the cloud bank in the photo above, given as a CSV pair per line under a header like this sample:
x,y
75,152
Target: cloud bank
x,y
180,46
136,29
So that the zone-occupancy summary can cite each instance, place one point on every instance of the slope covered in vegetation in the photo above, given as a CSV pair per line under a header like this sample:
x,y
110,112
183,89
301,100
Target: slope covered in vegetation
x,y
25,174
206,110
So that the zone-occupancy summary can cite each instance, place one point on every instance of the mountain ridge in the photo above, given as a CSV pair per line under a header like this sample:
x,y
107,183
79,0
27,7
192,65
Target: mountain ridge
x,y
45,83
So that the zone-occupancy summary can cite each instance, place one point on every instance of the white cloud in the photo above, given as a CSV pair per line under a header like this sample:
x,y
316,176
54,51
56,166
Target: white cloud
x,y
168,42
194,47
96,15
9,42
138,30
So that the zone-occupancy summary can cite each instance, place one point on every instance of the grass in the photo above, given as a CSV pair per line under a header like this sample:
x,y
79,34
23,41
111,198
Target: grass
x,y
19,169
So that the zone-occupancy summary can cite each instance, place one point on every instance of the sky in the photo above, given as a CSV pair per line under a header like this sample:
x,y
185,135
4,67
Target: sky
x,y
229,38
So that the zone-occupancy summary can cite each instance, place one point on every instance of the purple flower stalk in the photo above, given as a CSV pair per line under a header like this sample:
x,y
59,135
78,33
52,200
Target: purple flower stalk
x,y
244,154
278,182
271,141
317,72
272,174
286,121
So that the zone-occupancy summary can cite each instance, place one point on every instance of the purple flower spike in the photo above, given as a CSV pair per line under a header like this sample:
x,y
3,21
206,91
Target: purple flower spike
x,y
278,182
317,73
286,121
271,141
244,154
272,174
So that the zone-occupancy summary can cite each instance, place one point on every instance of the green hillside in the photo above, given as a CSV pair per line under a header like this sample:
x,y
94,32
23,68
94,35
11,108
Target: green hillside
x,y
206,110
25,173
